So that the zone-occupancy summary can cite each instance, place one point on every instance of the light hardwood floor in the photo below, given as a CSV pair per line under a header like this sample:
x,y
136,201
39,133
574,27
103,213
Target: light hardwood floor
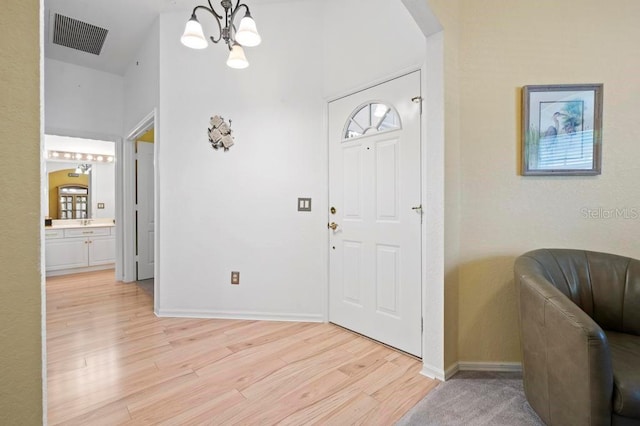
x,y
112,361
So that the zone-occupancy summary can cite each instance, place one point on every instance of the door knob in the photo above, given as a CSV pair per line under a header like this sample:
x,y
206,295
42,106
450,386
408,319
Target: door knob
x,y
332,225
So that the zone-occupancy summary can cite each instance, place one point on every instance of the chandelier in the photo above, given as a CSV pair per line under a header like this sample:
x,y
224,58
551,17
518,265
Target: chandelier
x,y
83,169
246,34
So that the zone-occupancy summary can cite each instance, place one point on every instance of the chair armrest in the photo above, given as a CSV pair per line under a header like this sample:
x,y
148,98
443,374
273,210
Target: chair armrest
x,y
567,370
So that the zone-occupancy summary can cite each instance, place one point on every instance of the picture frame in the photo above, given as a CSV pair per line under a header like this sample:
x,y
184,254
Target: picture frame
x,y
561,130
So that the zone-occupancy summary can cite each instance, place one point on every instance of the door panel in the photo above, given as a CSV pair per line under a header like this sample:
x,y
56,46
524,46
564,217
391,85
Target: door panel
x,y
387,279
374,185
352,272
352,182
387,180
145,206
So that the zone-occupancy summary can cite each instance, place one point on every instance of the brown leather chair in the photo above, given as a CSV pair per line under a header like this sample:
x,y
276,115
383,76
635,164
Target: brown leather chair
x,y
580,333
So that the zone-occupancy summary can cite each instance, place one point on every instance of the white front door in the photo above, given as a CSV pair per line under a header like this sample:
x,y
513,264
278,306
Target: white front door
x,y
375,208
145,214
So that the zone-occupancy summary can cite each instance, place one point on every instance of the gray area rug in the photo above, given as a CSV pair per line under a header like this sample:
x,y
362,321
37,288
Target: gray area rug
x,y
475,398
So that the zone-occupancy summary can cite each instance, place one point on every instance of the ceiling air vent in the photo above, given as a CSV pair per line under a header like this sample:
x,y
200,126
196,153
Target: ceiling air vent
x,y
78,35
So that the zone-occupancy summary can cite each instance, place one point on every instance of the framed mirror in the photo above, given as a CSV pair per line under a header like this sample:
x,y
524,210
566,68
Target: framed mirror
x,y
80,179
562,129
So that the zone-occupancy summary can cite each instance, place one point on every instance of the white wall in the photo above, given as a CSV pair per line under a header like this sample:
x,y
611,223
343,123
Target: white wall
x,y
142,80
236,210
81,101
103,191
367,41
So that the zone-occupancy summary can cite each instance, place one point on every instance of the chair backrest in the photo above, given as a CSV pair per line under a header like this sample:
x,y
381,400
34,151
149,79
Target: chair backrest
x,y
605,286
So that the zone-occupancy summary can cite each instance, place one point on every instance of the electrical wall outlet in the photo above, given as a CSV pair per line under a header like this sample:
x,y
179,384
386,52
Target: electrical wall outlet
x,y
235,277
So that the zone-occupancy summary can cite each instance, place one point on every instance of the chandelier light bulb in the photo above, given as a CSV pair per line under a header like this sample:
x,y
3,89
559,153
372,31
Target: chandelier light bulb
x,y
193,36
237,59
247,34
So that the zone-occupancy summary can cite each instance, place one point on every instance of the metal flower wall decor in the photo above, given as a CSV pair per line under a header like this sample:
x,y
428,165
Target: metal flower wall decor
x,y
220,133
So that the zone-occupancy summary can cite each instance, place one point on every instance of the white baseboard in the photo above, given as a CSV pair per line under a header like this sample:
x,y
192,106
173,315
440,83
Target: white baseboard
x,y
436,373
433,372
451,371
250,316
506,367
444,375
79,270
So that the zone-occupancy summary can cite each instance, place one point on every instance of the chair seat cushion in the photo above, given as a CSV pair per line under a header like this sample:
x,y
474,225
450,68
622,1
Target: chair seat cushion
x,y
625,357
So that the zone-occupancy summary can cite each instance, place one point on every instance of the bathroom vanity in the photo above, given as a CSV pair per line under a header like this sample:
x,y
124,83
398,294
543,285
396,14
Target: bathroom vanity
x,y
73,246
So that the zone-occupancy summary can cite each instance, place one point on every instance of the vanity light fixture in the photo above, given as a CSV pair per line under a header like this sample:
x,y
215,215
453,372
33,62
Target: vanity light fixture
x,y
246,34
93,158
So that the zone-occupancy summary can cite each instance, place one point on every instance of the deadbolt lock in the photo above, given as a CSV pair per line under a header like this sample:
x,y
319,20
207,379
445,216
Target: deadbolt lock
x,y
333,210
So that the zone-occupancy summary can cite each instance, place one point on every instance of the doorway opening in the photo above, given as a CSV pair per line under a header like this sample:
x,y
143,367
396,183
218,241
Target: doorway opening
x,y
140,237
79,204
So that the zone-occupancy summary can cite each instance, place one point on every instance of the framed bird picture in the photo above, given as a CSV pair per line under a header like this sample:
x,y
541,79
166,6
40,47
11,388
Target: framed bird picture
x,y
561,129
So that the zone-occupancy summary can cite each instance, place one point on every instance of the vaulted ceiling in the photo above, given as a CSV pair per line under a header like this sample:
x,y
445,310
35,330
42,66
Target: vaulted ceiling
x,y
127,23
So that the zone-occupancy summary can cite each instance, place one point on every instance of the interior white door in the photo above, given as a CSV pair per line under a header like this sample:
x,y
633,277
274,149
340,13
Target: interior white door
x,y
374,195
144,210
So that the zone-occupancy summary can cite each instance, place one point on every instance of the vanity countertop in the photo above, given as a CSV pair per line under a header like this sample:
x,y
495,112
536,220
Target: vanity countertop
x,y
73,223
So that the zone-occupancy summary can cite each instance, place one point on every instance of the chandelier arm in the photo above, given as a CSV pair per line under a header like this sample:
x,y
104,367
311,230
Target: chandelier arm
x,y
233,17
213,10
237,9
217,19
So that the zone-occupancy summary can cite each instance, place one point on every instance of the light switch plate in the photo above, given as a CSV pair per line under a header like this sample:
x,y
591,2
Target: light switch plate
x,y
101,205
235,277
304,204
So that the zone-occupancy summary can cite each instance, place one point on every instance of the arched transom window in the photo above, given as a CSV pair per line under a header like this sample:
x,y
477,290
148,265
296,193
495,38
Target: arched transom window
x,y
370,118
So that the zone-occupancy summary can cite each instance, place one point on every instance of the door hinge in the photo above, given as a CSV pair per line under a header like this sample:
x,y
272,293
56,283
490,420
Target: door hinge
x,y
422,324
417,100
419,210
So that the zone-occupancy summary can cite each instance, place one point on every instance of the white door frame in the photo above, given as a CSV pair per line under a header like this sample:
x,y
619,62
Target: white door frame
x,y
127,232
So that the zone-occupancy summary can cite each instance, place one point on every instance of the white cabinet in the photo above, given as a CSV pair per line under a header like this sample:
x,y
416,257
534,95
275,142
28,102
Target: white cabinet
x,y
66,254
102,250
67,250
